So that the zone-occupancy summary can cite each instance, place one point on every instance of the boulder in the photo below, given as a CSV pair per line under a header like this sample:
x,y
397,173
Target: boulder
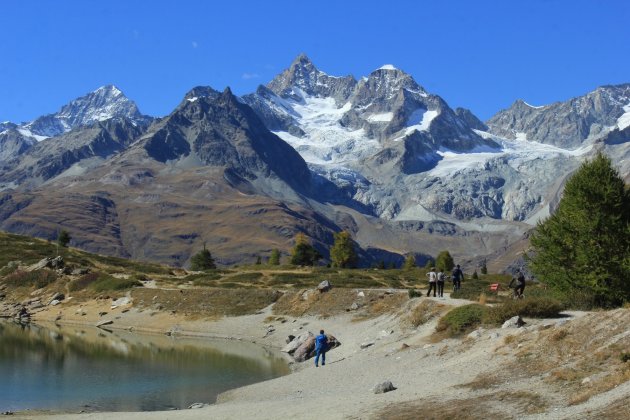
x,y
80,271
198,405
290,338
104,322
514,322
324,286
54,302
367,344
306,348
40,264
56,297
383,387
57,262
293,345
475,334
354,306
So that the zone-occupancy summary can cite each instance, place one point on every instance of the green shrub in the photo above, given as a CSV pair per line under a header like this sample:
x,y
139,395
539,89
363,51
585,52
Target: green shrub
x,y
37,278
246,277
101,282
541,307
624,357
414,293
461,319
107,283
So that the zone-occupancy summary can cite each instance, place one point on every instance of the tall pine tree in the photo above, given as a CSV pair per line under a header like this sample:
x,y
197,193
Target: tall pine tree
x,y
585,245
342,253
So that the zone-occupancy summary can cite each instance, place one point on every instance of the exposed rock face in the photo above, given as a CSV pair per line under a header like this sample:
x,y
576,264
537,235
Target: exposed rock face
x,y
302,75
565,124
104,103
51,157
13,143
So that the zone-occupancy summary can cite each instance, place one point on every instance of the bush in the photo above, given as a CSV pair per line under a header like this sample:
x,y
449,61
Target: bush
x,y
101,282
37,278
414,293
461,319
541,307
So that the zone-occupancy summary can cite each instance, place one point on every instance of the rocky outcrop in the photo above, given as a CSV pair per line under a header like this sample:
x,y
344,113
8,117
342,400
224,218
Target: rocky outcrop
x,y
565,124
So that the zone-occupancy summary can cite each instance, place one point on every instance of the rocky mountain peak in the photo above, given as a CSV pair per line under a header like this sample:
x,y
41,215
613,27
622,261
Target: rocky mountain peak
x,y
303,78
102,104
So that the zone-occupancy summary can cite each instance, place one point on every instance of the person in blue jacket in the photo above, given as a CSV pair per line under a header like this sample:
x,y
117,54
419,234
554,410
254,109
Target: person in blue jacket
x,y
321,346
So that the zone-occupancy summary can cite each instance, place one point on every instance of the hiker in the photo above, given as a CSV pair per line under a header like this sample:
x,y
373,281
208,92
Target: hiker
x,y
432,282
321,346
440,283
518,283
457,276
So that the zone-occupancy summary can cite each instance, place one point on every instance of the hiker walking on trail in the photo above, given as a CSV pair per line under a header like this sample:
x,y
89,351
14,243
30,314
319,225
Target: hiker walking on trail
x,y
457,276
321,346
440,283
518,283
432,282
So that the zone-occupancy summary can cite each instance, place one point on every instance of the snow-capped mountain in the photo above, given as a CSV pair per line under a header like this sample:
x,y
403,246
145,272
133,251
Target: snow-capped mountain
x,y
309,152
566,124
102,104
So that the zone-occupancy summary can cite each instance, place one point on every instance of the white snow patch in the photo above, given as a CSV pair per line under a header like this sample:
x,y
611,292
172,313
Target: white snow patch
x,y
385,117
325,141
534,106
193,99
624,120
387,67
420,120
520,136
516,152
29,133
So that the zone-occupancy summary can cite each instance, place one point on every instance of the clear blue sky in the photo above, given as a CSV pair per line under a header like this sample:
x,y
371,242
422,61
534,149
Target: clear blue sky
x,y
479,54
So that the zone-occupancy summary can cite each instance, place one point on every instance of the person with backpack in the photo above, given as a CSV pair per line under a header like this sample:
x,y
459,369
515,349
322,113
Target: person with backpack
x,y
321,346
432,282
457,276
518,283
440,283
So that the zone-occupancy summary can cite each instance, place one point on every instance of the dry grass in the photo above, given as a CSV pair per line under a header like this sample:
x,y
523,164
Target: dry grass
x,y
497,405
423,312
337,301
205,302
620,409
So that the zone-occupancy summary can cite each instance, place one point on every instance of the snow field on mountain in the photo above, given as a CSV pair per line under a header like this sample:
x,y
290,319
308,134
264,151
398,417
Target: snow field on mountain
x,y
326,141
518,152
624,120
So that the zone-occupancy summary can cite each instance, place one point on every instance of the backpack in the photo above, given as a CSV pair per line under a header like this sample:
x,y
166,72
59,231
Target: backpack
x,y
440,276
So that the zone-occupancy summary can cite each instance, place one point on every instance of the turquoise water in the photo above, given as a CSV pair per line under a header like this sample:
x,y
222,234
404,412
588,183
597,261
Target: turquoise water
x,y
96,370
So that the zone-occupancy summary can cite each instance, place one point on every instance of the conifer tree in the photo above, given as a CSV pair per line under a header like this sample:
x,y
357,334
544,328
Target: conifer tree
x,y
303,252
202,260
274,258
63,239
444,261
585,244
342,253
410,262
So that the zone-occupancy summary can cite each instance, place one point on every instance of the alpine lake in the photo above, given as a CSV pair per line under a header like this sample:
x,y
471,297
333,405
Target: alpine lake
x,y
75,369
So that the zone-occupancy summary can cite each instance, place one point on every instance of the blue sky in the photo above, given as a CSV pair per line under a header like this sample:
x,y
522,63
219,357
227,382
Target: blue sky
x,y
481,55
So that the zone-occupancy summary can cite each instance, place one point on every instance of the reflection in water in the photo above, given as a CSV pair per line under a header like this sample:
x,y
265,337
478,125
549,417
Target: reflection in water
x,y
88,368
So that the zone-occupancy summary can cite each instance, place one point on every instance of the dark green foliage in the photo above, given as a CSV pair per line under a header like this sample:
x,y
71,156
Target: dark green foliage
x,y
461,319
343,253
430,263
274,258
624,357
444,261
101,282
484,268
381,265
63,238
414,293
410,262
37,278
304,253
258,260
475,276
585,245
540,307
202,260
